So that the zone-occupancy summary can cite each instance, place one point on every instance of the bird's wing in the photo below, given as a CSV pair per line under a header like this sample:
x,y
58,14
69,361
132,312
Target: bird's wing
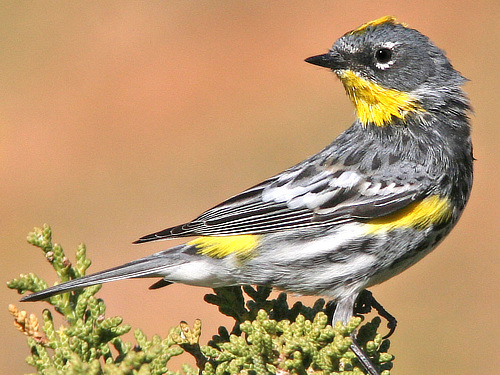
x,y
300,197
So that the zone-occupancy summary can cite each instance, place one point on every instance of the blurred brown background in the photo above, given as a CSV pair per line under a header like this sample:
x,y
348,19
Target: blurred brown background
x,y
121,118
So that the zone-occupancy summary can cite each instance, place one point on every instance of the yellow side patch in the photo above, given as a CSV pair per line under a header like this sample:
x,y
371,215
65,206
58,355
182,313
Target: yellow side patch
x,y
386,19
219,247
431,210
374,103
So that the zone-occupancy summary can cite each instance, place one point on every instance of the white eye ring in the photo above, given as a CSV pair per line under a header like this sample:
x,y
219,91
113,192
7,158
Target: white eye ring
x,y
384,56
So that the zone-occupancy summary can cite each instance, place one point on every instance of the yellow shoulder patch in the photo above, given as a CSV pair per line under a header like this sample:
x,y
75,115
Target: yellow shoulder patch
x,y
219,247
422,214
374,103
386,19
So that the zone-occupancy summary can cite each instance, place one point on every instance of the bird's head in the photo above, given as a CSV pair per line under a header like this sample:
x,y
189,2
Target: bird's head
x,y
387,69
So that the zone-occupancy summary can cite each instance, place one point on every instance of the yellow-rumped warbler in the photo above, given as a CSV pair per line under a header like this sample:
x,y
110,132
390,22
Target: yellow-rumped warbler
x,y
365,208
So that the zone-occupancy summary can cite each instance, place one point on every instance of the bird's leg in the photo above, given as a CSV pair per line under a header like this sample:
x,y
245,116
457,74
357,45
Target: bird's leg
x,y
343,313
364,304
362,357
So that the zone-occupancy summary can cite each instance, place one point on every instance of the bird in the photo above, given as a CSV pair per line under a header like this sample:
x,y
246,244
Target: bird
x,y
366,207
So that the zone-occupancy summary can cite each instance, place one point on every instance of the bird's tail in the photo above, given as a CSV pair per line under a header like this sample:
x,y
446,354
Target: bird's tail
x,y
155,265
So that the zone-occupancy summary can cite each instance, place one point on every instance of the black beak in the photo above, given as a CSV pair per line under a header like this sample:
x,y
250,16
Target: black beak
x,y
330,60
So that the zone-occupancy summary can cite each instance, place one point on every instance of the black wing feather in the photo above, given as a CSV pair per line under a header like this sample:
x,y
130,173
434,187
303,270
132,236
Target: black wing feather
x,y
251,213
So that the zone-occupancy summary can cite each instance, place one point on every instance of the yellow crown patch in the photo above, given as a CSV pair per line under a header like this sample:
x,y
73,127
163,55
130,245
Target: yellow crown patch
x,y
380,21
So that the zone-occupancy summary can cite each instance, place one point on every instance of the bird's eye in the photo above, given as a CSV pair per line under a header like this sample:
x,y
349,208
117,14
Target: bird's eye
x,y
383,55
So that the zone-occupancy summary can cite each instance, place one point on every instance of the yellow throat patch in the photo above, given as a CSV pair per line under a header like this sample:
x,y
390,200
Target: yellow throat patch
x,y
422,214
374,103
219,247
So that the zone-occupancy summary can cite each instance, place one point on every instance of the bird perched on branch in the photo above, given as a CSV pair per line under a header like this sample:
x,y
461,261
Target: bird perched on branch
x,y
376,200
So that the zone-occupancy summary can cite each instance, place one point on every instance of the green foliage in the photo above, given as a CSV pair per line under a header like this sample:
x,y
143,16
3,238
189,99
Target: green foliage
x,y
268,336
91,343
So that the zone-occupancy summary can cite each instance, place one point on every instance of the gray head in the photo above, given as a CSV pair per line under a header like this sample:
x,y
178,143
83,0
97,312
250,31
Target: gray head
x,y
385,64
